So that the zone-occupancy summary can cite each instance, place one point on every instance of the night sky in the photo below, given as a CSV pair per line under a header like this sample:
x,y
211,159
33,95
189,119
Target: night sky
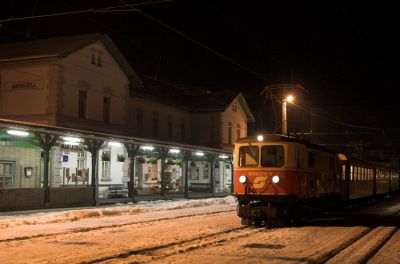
x,y
345,53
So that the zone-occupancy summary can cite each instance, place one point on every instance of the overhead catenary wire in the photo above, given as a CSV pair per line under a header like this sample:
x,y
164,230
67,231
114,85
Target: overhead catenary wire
x,y
331,119
95,10
197,42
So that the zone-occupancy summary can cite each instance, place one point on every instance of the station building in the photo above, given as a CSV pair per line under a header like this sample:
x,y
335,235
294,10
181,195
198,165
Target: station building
x,y
79,127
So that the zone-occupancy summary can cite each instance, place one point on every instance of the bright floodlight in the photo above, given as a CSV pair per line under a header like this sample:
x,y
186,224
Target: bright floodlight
x,y
72,139
275,179
290,98
242,179
200,154
115,144
18,133
260,138
223,156
150,148
174,151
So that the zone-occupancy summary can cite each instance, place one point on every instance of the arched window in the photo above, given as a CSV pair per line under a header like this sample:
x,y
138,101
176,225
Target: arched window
x,y
229,133
107,91
169,126
183,130
237,131
82,99
155,124
139,121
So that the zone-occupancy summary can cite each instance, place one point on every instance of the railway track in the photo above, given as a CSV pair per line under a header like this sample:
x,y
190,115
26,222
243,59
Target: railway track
x,y
144,255
89,229
361,248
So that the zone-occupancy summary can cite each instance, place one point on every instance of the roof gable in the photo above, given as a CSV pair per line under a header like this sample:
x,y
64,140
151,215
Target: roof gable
x,y
246,110
63,47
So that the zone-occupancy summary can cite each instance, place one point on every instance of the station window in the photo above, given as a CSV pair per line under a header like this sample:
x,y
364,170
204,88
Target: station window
x,y
183,129
205,171
6,174
106,109
234,107
169,127
229,133
238,132
139,121
82,104
155,124
105,165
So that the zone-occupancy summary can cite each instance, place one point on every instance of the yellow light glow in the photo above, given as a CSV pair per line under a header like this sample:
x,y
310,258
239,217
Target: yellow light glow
x,y
290,98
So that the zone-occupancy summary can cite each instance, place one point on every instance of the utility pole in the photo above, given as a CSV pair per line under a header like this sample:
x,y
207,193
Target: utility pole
x,y
284,90
284,113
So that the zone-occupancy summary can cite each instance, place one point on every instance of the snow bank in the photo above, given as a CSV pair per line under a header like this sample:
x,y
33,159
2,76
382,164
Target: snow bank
x,y
70,215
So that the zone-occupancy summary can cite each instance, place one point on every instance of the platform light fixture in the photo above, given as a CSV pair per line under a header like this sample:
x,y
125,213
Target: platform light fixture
x,y
174,151
200,154
114,144
147,148
18,133
71,139
223,156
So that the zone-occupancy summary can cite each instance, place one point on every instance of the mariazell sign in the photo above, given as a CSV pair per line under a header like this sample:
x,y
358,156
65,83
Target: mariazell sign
x,y
32,84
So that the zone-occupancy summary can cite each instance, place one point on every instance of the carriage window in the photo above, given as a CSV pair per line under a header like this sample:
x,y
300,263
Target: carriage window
x,y
272,156
248,156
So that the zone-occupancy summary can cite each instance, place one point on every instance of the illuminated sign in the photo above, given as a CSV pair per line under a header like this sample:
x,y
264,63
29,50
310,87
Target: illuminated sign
x,y
71,147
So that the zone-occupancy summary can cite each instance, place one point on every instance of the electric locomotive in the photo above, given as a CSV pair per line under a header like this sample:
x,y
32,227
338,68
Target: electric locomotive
x,y
279,178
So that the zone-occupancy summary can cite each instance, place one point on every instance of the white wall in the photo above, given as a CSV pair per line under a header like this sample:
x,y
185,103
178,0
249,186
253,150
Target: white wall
x,y
78,67
236,118
149,107
24,88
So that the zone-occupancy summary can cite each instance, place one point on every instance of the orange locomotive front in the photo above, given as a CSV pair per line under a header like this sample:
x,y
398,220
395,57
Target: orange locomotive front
x,y
277,177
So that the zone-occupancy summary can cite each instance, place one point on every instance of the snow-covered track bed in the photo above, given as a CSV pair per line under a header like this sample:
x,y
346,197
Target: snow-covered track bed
x,y
362,248
144,255
106,226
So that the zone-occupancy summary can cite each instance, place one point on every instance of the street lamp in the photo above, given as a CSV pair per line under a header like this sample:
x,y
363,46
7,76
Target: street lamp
x,y
289,99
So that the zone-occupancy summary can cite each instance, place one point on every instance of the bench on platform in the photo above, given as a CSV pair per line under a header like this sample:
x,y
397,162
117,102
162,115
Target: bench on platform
x,y
199,187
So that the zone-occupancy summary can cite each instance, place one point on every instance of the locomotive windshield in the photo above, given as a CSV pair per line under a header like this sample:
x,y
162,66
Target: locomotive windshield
x,y
272,156
248,156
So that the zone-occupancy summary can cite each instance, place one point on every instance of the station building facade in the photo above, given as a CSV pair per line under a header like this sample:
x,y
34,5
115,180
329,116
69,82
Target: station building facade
x,y
79,125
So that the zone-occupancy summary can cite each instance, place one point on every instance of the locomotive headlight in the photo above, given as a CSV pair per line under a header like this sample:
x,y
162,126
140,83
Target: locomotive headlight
x,y
242,179
275,179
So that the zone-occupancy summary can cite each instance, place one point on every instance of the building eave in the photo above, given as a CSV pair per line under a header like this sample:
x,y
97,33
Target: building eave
x,y
246,109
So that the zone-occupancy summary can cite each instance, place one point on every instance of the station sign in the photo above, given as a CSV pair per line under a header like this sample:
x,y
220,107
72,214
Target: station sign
x,y
29,84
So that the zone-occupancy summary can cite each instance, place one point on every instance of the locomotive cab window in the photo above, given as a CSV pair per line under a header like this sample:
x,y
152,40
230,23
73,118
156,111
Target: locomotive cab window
x,y
272,156
248,156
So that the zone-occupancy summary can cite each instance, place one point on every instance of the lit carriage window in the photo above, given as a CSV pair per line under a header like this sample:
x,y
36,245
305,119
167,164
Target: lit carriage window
x,y
351,173
343,172
248,156
272,156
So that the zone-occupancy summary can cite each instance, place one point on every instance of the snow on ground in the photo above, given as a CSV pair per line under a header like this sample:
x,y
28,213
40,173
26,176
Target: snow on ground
x,y
44,222
49,217
89,234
